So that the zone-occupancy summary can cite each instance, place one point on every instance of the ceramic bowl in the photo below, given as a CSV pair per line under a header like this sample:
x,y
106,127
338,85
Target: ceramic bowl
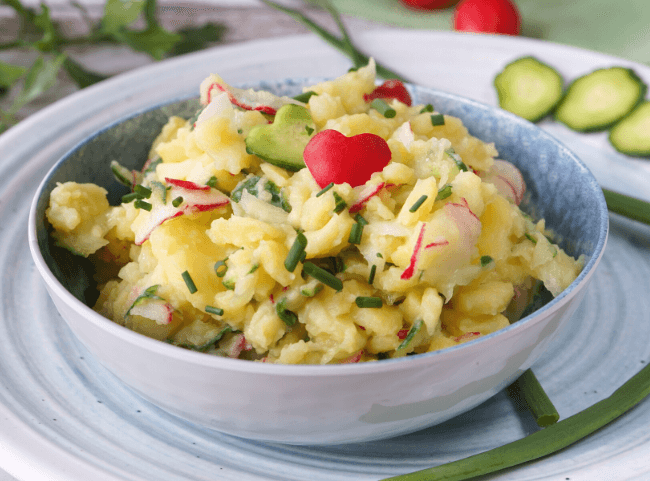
x,y
329,404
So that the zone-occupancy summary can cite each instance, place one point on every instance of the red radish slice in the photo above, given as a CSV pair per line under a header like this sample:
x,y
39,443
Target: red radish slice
x,y
467,336
354,358
250,99
364,195
402,333
469,226
196,198
437,242
154,309
234,347
390,89
330,157
410,270
507,179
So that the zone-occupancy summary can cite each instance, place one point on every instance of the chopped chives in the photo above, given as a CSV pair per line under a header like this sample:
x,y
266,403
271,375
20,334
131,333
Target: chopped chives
x,y
531,238
360,219
130,197
373,271
309,130
456,158
177,201
383,108
325,189
538,402
141,204
189,282
427,108
417,325
418,203
368,302
212,182
220,267
305,96
296,252
214,310
437,120
340,204
323,276
356,233
444,192
287,316
485,260
379,255
142,191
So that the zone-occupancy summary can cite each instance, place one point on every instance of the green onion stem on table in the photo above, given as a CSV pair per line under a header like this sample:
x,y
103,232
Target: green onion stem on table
x,y
555,435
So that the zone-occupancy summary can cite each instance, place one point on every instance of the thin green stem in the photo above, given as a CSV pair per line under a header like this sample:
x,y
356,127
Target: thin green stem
x,y
538,402
333,40
544,442
627,206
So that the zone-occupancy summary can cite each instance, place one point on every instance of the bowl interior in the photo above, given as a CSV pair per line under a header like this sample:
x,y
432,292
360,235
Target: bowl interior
x,y
559,186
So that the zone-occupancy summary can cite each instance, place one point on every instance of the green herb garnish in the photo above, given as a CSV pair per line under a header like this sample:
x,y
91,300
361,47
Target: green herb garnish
x,y
214,310
189,282
415,328
212,182
325,189
323,276
457,160
437,120
427,108
177,201
371,277
287,316
305,96
296,252
368,302
383,108
141,204
339,203
485,260
444,192
356,233
220,267
418,203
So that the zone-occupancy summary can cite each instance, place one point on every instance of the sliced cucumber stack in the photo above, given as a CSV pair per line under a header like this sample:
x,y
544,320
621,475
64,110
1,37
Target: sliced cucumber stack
x,y
598,100
529,88
631,136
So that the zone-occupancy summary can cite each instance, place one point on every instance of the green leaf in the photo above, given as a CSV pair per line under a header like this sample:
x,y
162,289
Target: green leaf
x,y
41,76
50,35
156,41
10,73
197,38
81,76
120,13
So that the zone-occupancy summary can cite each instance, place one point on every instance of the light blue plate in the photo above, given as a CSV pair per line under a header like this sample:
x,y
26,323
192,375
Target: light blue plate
x,y
64,417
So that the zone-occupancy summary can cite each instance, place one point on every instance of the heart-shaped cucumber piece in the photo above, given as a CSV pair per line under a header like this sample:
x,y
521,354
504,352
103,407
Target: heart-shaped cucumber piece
x,y
283,142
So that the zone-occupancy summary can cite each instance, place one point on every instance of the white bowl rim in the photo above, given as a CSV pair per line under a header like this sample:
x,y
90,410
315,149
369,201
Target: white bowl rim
x,y
198,358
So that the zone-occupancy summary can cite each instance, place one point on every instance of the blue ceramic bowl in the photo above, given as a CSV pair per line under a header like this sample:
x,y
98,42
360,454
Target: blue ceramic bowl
x,y
335,403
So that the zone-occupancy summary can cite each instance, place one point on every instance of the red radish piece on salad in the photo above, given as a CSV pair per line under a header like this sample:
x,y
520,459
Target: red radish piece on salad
x,y
390,89
330,157
156,310
507,179
196,198
410,270
354,358
487,16
364,194
469,226
249,99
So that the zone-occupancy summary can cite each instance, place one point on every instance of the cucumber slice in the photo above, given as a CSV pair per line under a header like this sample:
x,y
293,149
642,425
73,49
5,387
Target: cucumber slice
x,y
599,99
631,136
529,88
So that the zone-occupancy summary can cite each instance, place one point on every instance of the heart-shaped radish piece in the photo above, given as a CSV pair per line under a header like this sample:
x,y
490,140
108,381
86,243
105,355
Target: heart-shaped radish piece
x,y
390,89
330,157
282,142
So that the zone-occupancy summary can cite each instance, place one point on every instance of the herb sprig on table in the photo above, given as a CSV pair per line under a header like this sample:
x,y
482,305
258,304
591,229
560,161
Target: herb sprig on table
x,y
120,24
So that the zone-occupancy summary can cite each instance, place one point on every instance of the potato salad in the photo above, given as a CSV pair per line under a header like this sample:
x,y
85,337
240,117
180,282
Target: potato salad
x,y
341,225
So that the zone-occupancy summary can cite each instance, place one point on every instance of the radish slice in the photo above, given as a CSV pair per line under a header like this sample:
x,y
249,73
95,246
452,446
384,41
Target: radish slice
x,y
150,305
507,179
437,242
467,336
234,346
354,358
196,198
364,194
410,270
250,99
469,226
156,310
